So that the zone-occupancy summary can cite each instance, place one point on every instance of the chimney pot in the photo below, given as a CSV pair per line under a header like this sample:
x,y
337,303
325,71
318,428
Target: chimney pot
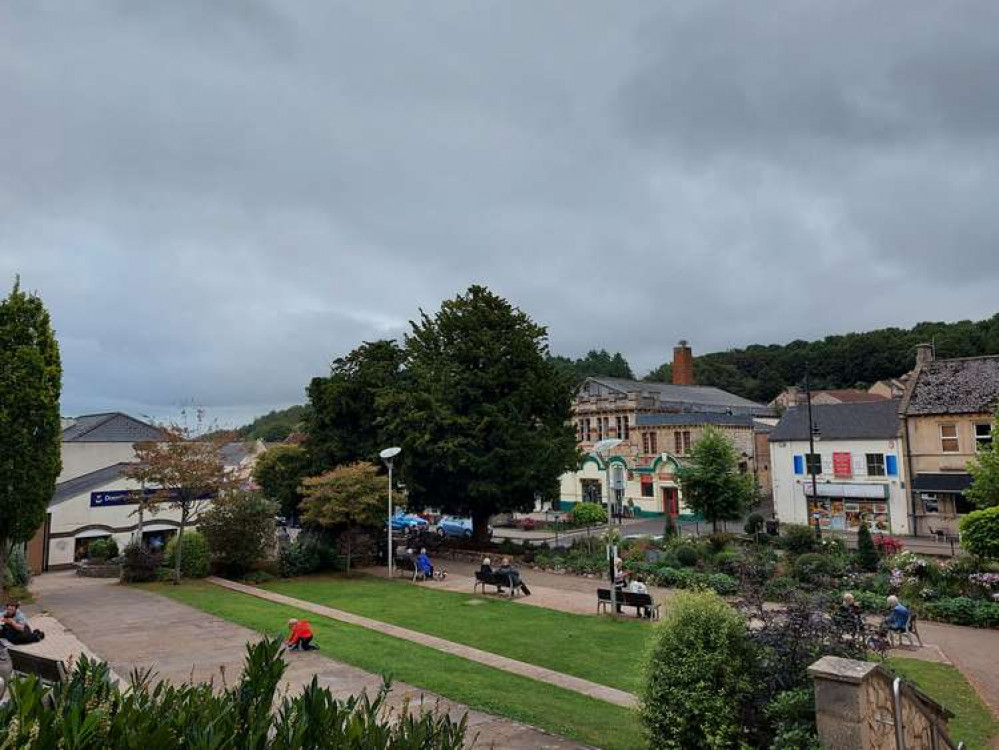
x,y
924,354
683,364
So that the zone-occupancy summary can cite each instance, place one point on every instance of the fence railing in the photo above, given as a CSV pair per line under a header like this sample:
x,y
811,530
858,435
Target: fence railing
x,y
939,738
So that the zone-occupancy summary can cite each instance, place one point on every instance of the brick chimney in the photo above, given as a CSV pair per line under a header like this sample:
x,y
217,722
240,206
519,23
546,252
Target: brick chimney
x,y
924,354
683,364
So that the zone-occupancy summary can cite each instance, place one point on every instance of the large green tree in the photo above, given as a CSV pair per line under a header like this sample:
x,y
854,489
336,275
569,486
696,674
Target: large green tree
x,y
711,482
279,472
30,385
984,470
341,421
595,364
482,415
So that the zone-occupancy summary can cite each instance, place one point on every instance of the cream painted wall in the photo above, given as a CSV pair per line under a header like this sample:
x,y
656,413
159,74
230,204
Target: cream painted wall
x,y
789,499
925,445
571,488
82,458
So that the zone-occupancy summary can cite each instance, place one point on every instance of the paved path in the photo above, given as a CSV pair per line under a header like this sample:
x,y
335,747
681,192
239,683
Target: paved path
x,y
568,682
132,628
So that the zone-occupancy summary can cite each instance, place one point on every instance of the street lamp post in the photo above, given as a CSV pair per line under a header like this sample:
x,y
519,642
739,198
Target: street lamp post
x,y
811,457
603,448
388,456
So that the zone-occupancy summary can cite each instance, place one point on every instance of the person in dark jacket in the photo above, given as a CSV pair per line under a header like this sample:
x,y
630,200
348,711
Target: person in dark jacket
x,y
513,575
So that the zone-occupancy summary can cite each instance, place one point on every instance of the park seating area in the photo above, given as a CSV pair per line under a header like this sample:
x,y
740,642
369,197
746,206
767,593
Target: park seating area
x,y
495,579
643,603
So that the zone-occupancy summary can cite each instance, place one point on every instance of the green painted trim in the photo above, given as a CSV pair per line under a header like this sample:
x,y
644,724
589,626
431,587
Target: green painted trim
x,y
669,458
618,460
588,458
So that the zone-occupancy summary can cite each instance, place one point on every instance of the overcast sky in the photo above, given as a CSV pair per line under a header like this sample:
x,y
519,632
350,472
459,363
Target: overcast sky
x,y
215,199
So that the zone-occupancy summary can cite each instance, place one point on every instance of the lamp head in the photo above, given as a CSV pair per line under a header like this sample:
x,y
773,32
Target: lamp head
x,y
389,453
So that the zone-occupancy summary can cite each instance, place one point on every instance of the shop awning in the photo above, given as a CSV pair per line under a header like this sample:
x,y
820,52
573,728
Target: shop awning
x,y
842,489
955,482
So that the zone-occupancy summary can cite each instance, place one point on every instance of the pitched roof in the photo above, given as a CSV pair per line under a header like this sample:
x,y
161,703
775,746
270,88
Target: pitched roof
x,y
873,420
850,395
968,385
87,482
686,397
695,418
114,427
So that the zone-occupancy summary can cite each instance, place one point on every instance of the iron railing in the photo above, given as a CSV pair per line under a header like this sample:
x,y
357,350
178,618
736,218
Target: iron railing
x,y
937,733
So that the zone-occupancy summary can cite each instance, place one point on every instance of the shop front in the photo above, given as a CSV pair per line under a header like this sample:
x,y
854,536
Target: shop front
x,y
845,506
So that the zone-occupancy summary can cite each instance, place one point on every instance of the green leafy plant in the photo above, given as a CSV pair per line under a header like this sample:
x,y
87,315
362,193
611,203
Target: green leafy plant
x,y
139,564
963,610
754,523
309,553
687,555
980,533
588,514
697,676
91,712
103,549
797,538
711,482
239,530
719,541
194,554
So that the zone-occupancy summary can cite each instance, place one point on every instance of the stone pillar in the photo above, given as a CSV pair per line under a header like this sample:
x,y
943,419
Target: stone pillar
x,y
841,704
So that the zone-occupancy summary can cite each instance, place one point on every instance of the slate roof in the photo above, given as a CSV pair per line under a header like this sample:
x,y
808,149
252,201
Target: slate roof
x,y
850,395
87,482
695,418
866,420
687,397
968,385
114,427
234,453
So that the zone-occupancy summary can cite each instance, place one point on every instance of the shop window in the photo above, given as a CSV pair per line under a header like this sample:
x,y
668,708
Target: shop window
x,y
983,435
82,546
931,503
813,463
156,541
876,464
948,439
591,490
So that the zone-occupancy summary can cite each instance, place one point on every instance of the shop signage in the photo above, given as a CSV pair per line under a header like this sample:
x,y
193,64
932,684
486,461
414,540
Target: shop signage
x,y
842,465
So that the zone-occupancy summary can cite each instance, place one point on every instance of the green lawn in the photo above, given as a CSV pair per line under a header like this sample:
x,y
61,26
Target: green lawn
x,y
600,649
560,711
973,723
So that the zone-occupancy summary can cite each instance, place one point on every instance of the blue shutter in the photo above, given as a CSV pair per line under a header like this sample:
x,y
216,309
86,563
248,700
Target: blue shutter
x,y
799,464
891,465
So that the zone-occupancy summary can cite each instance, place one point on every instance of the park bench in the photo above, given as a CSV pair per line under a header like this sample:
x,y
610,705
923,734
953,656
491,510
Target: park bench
x,y
407,567
628,599
25,663
499,580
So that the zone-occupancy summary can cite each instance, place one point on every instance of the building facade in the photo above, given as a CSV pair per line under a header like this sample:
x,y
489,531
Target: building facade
x,y
858,462
948,409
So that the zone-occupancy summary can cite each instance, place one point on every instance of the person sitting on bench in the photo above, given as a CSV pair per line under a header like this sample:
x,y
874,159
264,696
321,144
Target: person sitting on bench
x,y
898,617
637,586
513,575
426,566
15,628
300,638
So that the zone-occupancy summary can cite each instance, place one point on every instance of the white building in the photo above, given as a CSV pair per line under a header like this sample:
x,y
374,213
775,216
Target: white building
x,y
858,464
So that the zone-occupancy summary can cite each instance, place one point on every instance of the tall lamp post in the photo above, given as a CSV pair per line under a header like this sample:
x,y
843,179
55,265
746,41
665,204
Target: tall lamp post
x,y
388,456
603,449
811,458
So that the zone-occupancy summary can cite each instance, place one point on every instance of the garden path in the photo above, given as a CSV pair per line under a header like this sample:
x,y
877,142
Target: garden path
x,y
132,628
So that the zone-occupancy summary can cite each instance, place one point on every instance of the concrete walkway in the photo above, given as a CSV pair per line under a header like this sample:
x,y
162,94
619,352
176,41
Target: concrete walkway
x,y
135,629
534,672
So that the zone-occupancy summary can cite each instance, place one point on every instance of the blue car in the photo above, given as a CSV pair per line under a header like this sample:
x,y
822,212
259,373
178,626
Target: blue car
x,y
408,521
457,527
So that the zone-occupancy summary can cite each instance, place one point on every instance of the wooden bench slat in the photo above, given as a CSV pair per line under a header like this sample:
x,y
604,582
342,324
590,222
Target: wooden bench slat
x,y
46,669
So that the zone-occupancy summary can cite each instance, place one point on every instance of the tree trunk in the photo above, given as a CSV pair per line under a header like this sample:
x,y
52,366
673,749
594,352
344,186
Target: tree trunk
x,y
180,545
3,565
480,526
714,525
348,535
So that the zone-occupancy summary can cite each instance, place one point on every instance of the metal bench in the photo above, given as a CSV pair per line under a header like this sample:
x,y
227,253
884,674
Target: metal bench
x,y
406,566
628,599
499,580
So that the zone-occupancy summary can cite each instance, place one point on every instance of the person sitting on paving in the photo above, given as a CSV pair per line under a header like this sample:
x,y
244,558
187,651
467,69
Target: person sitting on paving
x,y
426,566
300,638
898,618
513,575
15,628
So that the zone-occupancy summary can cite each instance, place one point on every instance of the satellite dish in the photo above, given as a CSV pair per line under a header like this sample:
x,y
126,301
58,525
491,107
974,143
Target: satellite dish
x,y
390,453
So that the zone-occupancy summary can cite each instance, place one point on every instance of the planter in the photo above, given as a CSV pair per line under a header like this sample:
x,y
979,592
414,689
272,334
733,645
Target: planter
x,y
98,570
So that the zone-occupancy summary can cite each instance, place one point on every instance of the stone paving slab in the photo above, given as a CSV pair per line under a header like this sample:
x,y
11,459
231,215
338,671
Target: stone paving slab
x,y
533,671
131,628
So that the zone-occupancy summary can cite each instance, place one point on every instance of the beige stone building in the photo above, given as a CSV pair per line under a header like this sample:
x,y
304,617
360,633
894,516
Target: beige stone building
x,y
947,410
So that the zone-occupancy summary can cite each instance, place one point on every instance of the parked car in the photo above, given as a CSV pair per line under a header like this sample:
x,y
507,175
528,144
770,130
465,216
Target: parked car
x,y
461,528
408,521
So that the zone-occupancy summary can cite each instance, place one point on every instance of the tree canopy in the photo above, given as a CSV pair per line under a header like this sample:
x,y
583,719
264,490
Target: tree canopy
x,y
482,414
30,430
711,482
984,470
279,472
342,419
277,425
595,364
760,372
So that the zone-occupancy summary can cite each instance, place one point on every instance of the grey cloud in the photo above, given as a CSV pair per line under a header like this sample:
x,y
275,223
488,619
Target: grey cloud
x,y
216,200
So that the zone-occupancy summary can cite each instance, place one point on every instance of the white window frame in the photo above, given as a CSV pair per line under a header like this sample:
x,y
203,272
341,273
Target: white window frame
x,y
945,438
983,441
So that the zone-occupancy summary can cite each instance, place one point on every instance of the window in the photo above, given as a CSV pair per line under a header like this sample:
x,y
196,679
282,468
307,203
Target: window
x,y
648,489
931,504
983,435
678,443
686,441
600,428
948,439
653,443
649,443
590,490
876,464
813,463
627,428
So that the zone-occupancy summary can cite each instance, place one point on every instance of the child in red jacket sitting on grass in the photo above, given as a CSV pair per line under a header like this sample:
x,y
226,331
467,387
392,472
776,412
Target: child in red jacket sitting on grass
x,y
301,636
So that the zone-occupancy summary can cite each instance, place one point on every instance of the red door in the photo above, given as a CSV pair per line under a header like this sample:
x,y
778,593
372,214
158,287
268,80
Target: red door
x,y
670,501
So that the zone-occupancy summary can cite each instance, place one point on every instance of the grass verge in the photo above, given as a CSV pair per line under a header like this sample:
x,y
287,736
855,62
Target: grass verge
x,y
973,723
563,712
599,649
